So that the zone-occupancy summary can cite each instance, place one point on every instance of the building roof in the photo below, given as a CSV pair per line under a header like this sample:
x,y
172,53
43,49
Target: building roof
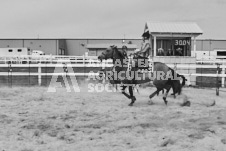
x,y
104,46
173,27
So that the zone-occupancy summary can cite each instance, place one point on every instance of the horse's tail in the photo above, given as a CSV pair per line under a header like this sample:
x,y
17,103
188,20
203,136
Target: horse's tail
x,y
183,80
182,84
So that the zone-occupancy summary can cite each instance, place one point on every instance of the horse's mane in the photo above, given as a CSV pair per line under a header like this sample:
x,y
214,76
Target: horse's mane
x,y
119,52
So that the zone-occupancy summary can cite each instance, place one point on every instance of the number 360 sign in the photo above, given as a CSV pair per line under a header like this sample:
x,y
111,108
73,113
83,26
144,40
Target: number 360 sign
x,y
182,42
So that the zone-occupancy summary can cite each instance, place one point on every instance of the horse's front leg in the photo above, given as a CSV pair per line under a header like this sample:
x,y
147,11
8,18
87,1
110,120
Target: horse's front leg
x,y
133,98
123,91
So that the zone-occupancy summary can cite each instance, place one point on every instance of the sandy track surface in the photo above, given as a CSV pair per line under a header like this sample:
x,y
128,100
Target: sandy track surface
x,y
33,120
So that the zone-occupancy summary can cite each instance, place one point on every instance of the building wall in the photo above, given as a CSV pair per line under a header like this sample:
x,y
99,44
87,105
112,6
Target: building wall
x,y
48,46
135,41
209,45
11,43
74,47
115,41
77,46
104,41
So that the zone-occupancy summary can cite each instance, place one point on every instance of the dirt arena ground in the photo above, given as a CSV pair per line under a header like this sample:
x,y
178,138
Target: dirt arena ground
x,y
32,119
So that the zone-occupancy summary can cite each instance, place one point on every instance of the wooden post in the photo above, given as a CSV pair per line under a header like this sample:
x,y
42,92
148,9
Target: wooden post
x,y
194,46
39,75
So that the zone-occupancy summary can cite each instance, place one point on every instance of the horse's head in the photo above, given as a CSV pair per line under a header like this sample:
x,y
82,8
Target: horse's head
x,y
112,53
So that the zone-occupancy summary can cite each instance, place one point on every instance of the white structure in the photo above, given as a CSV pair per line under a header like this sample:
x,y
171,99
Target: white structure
x,y
11,52
178,34
37,53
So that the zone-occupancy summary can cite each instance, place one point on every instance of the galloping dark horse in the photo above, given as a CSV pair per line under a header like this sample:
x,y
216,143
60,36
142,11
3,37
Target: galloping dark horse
x,y
128,74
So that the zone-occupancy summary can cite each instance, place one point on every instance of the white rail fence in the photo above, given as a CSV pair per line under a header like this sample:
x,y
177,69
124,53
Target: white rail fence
x,y
84,62
23,59
78,59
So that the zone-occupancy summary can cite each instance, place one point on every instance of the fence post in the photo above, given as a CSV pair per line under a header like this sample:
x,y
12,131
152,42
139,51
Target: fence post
x,y
39,74
223,74
51,58
217,81
83,60
103,64
10,82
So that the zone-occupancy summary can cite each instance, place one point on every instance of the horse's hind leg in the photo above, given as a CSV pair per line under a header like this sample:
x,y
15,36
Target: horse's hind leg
x,y
174,91
159,91
154,93
165,95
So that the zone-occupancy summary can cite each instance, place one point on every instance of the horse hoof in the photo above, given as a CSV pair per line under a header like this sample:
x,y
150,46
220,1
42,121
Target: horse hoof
x,y
150,102
214,103
164,98
187,103
165,102
134,99
131,104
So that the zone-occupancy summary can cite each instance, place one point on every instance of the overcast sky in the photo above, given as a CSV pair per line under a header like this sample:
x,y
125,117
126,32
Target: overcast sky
x,y
105,18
